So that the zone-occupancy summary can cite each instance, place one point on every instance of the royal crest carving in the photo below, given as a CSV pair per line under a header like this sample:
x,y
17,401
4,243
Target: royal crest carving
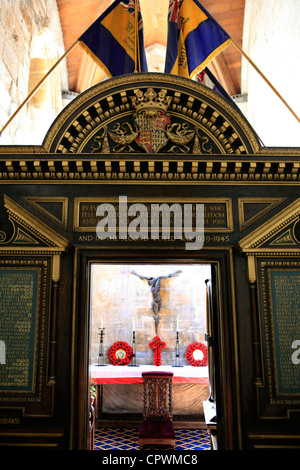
x,y
148,123
151,118
151,128
151,114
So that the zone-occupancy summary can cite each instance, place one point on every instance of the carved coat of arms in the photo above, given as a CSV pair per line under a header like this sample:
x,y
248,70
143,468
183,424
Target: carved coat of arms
x,y
151,118
151,127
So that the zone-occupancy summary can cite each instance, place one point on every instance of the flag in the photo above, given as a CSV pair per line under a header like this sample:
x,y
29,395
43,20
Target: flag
x,y
112,39
194,38
205,77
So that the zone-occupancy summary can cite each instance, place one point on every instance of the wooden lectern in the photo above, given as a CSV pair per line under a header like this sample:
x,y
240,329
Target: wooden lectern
x,y
157,427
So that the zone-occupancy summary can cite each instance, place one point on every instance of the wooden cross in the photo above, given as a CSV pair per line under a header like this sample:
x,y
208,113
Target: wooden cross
x,y
157,345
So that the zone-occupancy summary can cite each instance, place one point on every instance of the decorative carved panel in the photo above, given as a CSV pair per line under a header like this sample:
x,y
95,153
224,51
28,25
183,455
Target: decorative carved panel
x,y
279,235
151,113
274,273
30,254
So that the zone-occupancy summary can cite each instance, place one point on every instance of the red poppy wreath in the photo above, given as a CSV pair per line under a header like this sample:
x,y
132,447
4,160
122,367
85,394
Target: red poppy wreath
x,y
120,353
193,354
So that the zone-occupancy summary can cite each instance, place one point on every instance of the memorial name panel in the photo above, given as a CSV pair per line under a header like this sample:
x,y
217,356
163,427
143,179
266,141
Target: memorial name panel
x,y
285,310
18,319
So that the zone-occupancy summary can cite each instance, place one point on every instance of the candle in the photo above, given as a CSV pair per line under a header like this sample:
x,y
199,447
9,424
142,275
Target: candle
x,y
133,325
101,323
177,324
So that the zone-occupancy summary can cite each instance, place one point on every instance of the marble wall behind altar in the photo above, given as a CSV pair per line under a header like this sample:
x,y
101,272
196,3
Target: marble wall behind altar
x,y
120,301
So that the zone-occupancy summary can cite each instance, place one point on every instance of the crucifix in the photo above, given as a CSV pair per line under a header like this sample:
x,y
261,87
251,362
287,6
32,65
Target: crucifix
x,y
155,284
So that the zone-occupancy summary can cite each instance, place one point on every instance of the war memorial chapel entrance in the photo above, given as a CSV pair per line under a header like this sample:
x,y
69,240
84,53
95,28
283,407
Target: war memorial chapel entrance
x,y
150,140
173,129
197,323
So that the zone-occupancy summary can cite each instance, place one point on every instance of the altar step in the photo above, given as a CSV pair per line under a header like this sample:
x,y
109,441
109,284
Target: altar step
x,y
127,439
186,422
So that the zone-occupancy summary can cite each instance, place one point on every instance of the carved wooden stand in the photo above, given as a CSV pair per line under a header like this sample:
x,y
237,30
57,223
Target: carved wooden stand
x,y
157,425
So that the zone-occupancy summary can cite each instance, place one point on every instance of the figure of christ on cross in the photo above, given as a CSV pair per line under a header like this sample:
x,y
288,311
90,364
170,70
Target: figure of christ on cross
x,y
155,284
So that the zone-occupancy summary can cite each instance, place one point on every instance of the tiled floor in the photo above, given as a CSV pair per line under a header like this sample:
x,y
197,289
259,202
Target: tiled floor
x,y
127,439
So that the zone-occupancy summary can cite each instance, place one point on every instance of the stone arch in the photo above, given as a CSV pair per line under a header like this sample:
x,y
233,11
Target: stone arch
x,y
182,116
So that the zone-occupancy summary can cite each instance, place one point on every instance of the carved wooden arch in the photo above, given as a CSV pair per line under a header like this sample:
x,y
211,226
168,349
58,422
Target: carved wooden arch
x,y
151,113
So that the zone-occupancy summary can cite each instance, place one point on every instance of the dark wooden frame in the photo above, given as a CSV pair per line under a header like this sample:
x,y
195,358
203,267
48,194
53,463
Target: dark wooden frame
x,y
224,333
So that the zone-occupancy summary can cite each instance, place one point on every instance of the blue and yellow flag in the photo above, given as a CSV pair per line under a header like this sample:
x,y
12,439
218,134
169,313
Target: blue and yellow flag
x,y
194,38
116,39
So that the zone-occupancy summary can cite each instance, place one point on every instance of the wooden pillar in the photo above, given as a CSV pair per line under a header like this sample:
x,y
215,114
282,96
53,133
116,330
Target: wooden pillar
x,y
54,314
254,319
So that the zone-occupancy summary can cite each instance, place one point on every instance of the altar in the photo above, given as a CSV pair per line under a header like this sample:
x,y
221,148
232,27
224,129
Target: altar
x,y
110,374
120,389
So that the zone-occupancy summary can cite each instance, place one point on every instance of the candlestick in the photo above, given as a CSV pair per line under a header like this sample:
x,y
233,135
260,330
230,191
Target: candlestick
x,y
101,355
177,358
133,361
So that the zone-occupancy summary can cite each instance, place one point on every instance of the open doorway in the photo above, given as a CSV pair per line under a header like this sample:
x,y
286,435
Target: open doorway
x,y
124,322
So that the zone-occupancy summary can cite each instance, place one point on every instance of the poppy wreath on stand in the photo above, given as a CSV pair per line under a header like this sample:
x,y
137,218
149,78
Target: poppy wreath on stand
x,y
120,353
192,352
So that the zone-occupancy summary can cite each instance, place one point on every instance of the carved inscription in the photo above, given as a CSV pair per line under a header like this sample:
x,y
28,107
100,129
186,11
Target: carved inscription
x,y
217,214
18,307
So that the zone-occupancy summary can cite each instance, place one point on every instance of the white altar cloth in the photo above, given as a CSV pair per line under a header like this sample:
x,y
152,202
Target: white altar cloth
x,y
130,374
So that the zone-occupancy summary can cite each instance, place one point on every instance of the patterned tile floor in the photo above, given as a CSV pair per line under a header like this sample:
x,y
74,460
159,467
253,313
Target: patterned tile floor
x,y
127,439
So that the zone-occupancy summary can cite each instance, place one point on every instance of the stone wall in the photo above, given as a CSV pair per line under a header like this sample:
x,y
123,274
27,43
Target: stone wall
x,y
29,30
271,39
121,300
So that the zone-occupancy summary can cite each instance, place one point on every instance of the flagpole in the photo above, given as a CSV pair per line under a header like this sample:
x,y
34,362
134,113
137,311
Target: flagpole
x,y
32,93
136,35
265,78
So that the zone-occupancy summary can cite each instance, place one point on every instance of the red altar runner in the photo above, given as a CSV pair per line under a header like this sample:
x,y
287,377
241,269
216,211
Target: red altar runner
x,y
111,374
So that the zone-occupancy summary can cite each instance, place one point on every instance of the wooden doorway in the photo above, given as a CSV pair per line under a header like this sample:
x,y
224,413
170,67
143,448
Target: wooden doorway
x,y
222,331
